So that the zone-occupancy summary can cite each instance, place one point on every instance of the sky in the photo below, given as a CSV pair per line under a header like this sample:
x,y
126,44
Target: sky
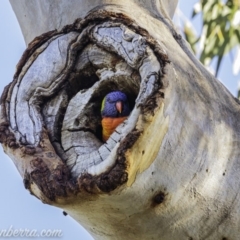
x,y
18,209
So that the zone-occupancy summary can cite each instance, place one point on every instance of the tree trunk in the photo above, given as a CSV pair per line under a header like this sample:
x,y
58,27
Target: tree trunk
x,y
170,170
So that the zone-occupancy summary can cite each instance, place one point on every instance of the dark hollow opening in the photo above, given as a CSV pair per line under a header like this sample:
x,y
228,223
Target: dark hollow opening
x,y
87,78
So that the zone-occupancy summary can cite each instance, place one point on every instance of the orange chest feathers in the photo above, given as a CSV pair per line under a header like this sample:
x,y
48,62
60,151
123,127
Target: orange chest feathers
x,y
109,125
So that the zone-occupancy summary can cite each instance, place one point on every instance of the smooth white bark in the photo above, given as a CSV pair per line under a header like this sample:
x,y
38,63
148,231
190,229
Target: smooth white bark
x,y
42,16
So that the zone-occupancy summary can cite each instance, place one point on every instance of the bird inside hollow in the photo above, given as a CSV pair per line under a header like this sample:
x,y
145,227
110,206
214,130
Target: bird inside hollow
x,y
115,109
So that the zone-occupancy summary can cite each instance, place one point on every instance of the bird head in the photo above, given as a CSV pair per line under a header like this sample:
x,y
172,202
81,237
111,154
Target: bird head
x,y
115,104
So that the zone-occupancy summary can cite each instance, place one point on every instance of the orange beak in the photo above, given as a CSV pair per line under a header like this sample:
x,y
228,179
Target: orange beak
x,y
119,106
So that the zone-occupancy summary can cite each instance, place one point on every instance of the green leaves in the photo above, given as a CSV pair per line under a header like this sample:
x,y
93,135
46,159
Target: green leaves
x,y
220,29
190,36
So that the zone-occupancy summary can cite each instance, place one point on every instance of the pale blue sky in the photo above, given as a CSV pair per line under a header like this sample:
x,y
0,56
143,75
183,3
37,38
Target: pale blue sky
x,y
17,207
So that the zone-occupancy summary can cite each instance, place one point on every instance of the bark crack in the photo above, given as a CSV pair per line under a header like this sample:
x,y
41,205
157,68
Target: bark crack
x,y
94,56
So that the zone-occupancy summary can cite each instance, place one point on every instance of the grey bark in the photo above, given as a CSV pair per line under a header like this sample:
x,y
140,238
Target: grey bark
x,y
43,16
170,171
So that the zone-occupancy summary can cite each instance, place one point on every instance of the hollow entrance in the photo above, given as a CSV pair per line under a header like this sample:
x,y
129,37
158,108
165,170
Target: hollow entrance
x,y
97,65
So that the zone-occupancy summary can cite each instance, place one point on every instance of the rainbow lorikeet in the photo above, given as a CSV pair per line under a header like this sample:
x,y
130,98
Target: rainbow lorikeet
x,y
115,109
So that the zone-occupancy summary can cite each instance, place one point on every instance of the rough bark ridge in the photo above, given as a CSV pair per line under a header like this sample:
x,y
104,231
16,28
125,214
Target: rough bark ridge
x,y
83,58
170,171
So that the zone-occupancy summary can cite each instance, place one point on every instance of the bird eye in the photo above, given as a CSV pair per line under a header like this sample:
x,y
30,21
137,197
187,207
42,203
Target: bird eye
x,y
110,100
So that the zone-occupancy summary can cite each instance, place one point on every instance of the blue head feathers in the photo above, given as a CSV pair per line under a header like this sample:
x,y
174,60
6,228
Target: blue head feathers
x,y
115,104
